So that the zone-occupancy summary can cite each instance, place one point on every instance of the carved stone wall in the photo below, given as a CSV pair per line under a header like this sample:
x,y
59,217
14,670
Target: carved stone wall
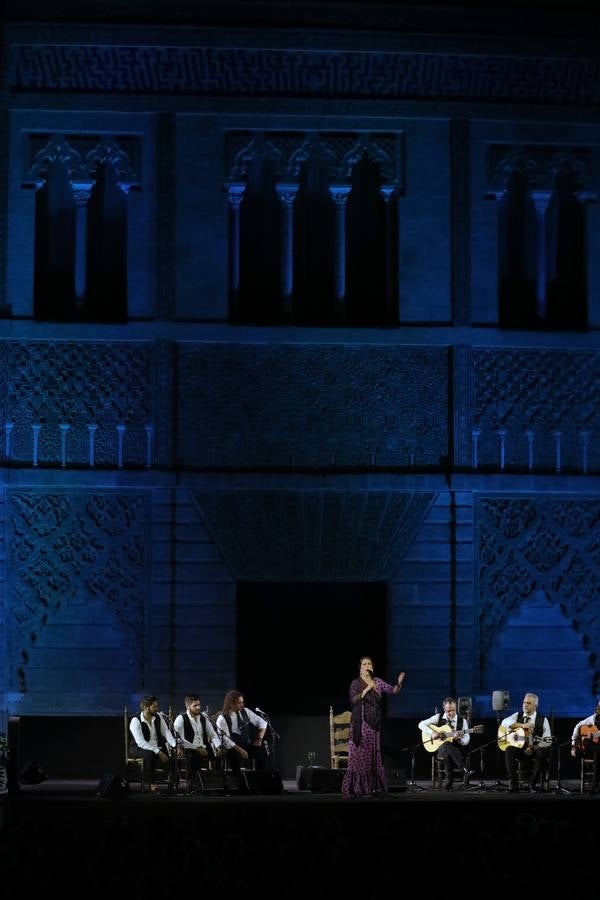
x,y
339,151
256,72
519,390
76,573
312,406
77,383
313,535
532,544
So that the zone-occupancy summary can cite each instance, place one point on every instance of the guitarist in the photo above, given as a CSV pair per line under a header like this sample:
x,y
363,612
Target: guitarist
x,y
451,752
592,721
536,728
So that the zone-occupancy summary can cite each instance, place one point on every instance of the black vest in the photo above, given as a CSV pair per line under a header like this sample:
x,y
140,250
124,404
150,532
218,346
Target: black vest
x,y
160,738
188,729
244,725
538,728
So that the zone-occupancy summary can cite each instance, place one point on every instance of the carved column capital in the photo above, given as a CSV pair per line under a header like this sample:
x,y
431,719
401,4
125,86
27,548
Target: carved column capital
x,y
286,191
339,194
235,193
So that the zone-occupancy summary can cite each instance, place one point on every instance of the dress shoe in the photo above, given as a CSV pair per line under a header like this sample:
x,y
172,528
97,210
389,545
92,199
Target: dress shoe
x,y
449,786
514,788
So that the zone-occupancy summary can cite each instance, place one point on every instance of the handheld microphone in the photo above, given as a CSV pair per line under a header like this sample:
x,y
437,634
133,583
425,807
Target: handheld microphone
x,y
370,672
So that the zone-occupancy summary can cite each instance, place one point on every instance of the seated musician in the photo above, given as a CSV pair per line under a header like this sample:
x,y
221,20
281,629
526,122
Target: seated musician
x,y
586,741
197,736
536,746
152,736
452,752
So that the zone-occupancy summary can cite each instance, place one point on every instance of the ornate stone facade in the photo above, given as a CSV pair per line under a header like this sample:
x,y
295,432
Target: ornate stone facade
x,y
533,543
75,548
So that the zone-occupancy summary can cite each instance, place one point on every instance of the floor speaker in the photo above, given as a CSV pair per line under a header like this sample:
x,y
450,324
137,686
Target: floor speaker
x,y
112,786
250,782
32,773
396,781
325,781
210,782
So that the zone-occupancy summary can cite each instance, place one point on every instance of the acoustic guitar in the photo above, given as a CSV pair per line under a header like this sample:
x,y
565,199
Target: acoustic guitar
x,y
518,738
443,734
588,736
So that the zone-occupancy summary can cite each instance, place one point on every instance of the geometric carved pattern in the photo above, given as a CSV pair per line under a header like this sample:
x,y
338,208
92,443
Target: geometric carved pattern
x,y
256,72
310,535
67,547
528,544
516,390
540,165
82,157
313,406
76,383
339,151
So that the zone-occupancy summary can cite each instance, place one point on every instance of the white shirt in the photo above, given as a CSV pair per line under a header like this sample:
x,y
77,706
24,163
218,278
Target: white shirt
x,y
433,720
510,720
135,726
590,720
196,723
236,726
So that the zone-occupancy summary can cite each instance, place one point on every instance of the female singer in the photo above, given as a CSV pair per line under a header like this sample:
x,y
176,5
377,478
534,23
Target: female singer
x,y
365,775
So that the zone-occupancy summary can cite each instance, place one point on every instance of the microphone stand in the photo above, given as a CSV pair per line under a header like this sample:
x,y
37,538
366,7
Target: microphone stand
x,y
482,786
275,737
500,785
173,780
412,784
559,789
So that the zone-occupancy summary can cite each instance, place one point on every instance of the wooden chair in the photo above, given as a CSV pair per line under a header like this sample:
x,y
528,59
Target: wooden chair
x,y
586,773
131,760
339,738
524,772
438,772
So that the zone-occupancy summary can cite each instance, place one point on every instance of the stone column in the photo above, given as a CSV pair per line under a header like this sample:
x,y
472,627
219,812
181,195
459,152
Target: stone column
x,y
388,192
82,191
541,200
287,194
235,195
339,194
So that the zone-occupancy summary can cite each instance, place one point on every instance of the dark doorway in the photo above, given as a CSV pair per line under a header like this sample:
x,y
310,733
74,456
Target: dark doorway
x,y
298,645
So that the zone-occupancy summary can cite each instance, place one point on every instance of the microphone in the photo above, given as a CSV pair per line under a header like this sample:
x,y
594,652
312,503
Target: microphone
x,y
370,672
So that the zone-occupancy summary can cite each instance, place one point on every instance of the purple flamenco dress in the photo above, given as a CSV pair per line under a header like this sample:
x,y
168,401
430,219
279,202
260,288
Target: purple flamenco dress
x,y
365,773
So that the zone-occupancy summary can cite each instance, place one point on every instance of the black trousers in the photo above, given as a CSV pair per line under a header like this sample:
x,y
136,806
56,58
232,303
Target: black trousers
x,y
539,759
453,755
195,761
150,764
258,754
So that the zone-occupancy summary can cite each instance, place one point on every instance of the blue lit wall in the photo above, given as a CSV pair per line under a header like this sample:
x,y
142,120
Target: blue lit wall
x,y
149,467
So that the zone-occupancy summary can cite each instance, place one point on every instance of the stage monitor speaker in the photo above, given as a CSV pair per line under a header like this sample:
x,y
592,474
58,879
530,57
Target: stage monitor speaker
x,y
211,782
325,781
500,700
250,782
32,773
396,781
112,786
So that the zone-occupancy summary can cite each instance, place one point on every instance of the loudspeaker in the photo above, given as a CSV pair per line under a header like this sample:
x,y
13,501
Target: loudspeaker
x,y
210,782
396,781
500,700
249,782
325,781
31,773
112,786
